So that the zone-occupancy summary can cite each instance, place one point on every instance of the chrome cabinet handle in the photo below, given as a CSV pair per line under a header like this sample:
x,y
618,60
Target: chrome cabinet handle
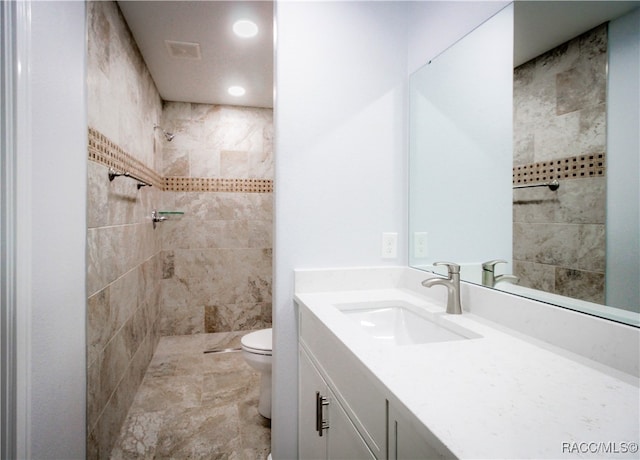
x,y
321,423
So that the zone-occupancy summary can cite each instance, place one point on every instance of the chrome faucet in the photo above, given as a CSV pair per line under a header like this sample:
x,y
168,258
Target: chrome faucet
x,y
452,283
489,277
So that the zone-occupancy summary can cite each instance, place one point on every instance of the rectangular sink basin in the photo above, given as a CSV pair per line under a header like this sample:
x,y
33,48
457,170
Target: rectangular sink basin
x,y
401,323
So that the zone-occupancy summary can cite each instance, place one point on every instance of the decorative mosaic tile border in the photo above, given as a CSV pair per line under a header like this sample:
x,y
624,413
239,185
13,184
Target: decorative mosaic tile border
x,y
578,167
104,151
196,184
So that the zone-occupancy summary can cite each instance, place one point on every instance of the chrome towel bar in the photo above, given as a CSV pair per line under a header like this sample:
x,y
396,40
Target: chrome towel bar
x,y
141,183
553,185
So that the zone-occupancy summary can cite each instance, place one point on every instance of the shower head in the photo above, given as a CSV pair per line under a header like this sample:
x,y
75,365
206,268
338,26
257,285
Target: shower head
x,y
167,135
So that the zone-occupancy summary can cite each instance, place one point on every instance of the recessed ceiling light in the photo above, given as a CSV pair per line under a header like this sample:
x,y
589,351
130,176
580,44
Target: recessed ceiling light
x,y
236,91
245,28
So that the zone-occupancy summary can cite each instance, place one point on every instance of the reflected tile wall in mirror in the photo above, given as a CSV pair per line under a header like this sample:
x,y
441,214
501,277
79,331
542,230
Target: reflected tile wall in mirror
x,y
560,113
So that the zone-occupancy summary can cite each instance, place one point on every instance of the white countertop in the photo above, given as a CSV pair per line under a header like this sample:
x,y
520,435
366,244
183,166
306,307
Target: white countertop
x,y
498,396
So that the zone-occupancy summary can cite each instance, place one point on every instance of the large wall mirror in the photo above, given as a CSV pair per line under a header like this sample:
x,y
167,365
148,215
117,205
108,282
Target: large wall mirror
x,y
525,156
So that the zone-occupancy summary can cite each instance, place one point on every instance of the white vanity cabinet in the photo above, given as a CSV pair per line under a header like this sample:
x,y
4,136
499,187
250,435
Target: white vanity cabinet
x,y
326,432
456,398
364,420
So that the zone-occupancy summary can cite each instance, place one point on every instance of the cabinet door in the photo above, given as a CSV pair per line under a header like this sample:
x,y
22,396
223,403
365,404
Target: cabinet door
x,y
340,440
407,443
311,445
344,441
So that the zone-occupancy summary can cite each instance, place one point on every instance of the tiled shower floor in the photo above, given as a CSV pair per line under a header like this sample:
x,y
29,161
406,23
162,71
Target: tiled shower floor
x,y
195,405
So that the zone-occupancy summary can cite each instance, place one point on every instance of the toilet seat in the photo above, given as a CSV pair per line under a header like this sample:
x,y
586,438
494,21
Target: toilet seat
x,y
258,342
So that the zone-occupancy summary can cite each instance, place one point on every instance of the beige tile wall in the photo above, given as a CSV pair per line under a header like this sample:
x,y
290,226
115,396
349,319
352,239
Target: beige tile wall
x,y
209,270
123,273
217,257
123,250
560,114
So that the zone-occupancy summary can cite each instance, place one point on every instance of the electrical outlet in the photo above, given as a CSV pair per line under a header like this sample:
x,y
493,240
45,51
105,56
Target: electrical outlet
x,y
389,245
420,245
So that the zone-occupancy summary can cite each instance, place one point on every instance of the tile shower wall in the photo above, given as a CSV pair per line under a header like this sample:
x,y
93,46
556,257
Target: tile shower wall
x,y
217,257
560,132
123,262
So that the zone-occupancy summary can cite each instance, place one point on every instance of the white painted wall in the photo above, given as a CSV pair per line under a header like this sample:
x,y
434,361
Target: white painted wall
x,y
51,242
623,163
340,153
339,159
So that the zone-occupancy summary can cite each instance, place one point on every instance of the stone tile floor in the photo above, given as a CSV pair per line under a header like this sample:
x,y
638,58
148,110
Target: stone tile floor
x,y
195,405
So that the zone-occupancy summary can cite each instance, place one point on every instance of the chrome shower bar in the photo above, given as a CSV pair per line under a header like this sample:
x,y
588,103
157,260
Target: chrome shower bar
x,y
223,350
141,183
553,185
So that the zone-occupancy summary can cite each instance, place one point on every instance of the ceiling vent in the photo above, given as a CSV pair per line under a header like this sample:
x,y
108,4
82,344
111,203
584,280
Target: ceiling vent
x,y
183,50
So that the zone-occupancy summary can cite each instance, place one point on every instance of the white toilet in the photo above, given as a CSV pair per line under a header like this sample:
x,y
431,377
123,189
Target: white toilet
x,y
257,349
